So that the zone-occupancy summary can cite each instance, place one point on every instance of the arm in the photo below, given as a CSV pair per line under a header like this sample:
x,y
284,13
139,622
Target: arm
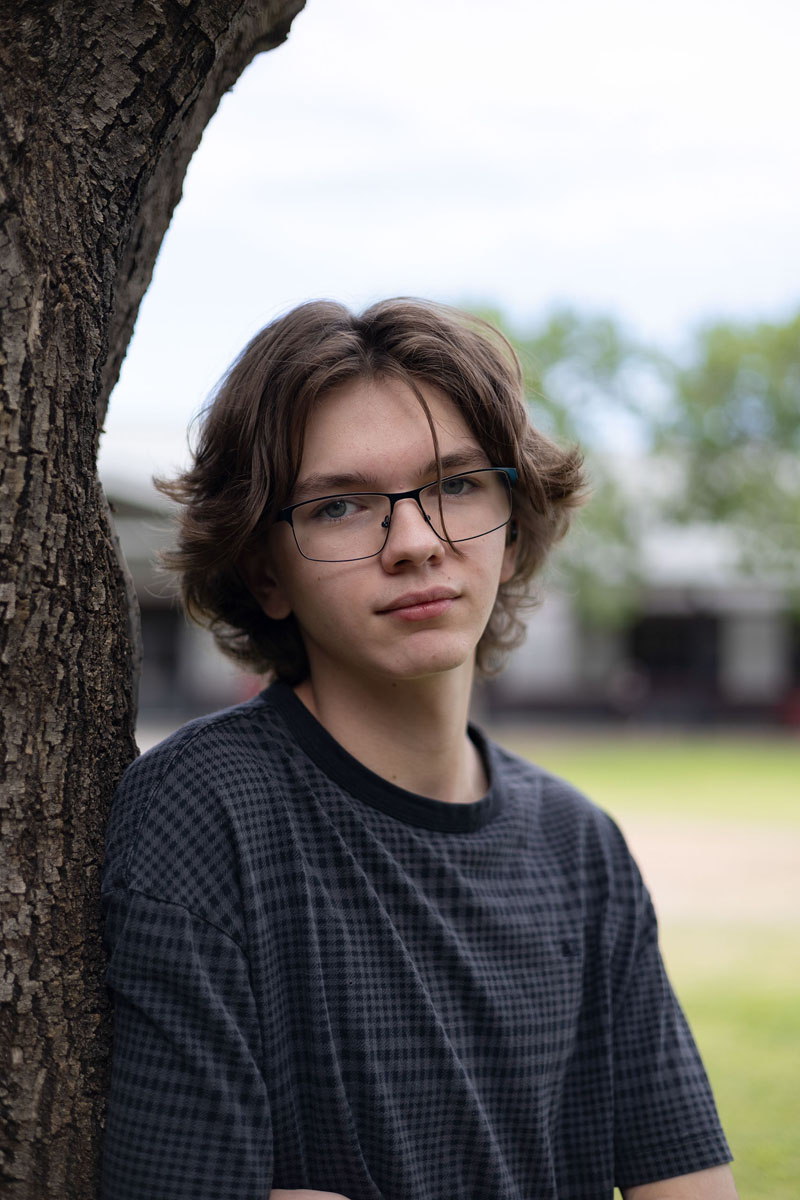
x,y
713,1184
188,1112
303,1194
666,1125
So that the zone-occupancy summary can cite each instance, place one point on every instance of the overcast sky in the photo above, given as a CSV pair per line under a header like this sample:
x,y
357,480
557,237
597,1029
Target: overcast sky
x,y
623,157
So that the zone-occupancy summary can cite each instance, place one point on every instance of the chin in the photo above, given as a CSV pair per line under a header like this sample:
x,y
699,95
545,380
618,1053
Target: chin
x,y
436,661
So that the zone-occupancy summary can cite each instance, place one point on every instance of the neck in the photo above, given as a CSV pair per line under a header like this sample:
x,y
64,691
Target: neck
x,y
410,732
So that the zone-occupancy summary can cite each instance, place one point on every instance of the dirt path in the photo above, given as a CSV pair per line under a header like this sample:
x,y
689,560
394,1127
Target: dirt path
x,y
702,870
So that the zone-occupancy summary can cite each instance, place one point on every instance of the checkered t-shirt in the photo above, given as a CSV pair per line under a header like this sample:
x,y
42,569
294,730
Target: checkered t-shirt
x,y
324,981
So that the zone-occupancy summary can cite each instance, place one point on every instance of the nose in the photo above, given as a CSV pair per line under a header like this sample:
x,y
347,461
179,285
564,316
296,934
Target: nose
x,y
411,540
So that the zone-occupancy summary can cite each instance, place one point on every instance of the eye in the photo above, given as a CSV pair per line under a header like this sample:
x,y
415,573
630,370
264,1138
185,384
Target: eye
x,y
458,485
336,510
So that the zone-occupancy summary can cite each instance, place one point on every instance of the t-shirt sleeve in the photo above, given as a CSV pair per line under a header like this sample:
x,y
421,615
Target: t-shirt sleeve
x,y
665,1118
188,1113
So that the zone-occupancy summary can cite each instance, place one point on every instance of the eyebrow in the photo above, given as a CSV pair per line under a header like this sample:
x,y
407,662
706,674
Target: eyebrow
x,y
355,481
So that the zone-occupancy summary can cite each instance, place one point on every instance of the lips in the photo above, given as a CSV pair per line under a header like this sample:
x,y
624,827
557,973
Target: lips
x,y
428,603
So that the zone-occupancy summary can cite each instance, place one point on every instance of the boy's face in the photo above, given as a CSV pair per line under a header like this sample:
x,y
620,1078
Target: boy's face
x,y
418,608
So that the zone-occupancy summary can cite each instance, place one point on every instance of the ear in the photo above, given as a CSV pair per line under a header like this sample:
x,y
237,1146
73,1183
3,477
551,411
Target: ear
x,y
509,553
262,581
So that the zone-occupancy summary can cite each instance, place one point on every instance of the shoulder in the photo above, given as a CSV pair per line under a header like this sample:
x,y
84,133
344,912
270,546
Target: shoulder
x,y
204,755
558,805
567,826
186,810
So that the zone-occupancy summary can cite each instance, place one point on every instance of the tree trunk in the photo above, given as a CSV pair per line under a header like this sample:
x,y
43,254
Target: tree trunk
x,y
103,105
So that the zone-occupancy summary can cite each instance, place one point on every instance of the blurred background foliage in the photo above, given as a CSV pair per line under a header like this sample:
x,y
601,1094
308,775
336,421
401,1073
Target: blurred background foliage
x,y
735,426
707,437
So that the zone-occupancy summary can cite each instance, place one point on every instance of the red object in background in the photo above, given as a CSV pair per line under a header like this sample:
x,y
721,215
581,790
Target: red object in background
x,y
249,686
789,709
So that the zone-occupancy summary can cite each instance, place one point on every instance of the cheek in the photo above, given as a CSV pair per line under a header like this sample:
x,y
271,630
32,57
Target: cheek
x,y
499,560
324,606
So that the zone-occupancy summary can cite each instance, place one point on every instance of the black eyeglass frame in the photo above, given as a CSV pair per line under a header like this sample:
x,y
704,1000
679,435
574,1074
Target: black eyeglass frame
x,y
286,514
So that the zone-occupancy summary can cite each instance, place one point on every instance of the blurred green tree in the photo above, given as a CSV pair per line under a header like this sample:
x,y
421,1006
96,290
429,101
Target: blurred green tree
x,y
714,439
734,426
588,381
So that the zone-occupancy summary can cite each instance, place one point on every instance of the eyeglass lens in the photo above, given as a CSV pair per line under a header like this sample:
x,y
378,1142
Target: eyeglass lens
x,y
342,528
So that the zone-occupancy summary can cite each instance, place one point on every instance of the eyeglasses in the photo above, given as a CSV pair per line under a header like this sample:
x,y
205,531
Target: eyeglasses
x,y
350,526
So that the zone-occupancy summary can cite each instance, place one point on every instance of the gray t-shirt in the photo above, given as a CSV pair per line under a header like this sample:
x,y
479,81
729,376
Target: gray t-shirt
x,y
324,981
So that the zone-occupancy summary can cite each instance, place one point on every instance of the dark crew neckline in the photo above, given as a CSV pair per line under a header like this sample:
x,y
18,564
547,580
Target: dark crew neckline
x,y
364,785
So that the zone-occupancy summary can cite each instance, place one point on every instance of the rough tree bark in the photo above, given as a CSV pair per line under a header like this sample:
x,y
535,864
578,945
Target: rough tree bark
x,y
102,107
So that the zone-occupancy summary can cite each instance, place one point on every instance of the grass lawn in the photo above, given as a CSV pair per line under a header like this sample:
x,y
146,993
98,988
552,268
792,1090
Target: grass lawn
x,y
744,777
743,1003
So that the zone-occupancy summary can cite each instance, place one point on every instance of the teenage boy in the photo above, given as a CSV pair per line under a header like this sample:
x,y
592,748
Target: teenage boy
x,y
357,949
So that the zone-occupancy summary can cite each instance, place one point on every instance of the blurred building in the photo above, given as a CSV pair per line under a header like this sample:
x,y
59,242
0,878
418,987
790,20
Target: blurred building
x,y
693,652
706,645
183,674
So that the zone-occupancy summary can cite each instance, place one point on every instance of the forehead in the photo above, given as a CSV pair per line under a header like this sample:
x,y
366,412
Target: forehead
x,y
379,427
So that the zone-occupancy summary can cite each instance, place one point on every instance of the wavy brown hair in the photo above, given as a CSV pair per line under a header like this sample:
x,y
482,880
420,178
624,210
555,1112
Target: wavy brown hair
x,y
250,447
